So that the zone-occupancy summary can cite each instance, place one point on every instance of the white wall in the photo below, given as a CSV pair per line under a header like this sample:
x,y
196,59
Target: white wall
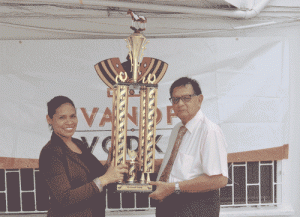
x,y
292,165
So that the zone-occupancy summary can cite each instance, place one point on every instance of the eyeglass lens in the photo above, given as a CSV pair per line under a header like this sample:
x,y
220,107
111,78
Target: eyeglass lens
x,y
187,98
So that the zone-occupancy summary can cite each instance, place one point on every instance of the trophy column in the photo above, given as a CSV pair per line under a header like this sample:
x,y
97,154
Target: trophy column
x,y
147,130
150,131
119,125
142,132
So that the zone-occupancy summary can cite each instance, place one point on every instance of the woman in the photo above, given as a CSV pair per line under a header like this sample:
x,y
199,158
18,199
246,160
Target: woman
x,y
74,177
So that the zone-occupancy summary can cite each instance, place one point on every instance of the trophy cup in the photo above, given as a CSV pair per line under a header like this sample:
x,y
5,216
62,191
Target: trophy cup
x,y
136,77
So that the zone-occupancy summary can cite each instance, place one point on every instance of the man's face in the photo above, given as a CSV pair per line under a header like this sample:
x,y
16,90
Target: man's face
x,y
186,110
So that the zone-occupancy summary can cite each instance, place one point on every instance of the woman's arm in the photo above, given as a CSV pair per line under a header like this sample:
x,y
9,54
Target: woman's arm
x,y
53,170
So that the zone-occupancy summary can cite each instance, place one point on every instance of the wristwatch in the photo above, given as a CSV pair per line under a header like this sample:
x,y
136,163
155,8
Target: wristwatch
x,y
177,189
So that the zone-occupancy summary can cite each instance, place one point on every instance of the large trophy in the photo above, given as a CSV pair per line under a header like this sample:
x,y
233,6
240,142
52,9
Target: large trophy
x,y
137,76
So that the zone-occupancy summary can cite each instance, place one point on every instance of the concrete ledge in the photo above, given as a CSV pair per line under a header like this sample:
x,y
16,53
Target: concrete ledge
x,y
285,210
278,211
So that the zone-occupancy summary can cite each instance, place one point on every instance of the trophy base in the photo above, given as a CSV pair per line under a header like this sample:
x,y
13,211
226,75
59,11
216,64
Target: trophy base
x,y
133,188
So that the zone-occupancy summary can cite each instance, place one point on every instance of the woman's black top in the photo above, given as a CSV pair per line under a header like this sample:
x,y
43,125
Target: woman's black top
x,y
69,179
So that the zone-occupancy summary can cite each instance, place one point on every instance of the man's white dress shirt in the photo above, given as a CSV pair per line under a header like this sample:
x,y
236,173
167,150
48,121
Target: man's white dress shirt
x,y
202,150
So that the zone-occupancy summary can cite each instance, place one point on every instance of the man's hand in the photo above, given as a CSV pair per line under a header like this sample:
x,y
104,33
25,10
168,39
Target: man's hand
x,y
163,189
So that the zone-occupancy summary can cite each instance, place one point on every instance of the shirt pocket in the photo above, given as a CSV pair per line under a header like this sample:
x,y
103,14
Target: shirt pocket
x,y
182,166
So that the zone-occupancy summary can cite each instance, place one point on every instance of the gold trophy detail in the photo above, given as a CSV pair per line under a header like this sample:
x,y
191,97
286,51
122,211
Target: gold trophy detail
x,y
137,75
132,173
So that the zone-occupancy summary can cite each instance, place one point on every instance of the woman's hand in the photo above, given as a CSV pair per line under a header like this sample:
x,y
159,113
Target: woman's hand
x,y
114,174
109,158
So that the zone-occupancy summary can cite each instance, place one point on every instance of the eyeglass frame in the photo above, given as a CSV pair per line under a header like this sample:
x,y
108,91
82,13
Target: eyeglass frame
x,y
182,99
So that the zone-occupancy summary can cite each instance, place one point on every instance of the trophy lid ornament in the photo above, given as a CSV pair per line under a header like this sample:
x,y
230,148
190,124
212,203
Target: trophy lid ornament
x,y
138,22
137,67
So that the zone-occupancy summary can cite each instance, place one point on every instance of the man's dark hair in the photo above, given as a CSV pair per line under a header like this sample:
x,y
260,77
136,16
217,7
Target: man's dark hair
x,y
57,101
183,81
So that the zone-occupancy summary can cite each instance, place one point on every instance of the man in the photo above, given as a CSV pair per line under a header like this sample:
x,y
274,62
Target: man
x,y
195,163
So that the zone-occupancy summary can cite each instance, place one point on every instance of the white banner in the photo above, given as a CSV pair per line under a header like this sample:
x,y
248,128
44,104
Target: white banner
x,y
245,83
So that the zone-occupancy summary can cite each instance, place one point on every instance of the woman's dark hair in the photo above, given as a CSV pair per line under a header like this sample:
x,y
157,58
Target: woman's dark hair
x,y
57,101
184,81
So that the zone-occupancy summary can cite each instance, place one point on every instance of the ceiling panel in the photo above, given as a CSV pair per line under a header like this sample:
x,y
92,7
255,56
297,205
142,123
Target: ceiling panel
x,y
23,20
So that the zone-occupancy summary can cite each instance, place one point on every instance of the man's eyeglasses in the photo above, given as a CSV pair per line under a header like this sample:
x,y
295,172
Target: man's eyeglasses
x,y
185,98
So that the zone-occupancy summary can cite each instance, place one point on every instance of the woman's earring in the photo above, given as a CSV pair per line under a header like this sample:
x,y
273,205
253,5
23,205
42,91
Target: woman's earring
x,y
50,127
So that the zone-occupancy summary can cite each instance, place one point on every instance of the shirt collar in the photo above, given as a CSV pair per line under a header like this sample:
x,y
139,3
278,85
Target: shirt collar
x,y
194,121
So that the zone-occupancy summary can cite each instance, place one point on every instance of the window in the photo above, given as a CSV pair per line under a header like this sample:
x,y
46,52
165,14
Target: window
x,y
250,184
21,191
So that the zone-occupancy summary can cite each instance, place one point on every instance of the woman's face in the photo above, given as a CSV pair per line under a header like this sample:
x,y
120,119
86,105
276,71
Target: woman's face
x,y
64,121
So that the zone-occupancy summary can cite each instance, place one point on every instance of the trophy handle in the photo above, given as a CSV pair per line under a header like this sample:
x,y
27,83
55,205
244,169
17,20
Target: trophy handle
x,y
108,70
150,67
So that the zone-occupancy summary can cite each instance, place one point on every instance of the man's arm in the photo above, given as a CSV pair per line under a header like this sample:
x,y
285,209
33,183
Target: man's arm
x,y
202,183
157,165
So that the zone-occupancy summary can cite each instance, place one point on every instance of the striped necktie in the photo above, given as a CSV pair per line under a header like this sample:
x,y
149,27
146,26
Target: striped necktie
x,y
166,173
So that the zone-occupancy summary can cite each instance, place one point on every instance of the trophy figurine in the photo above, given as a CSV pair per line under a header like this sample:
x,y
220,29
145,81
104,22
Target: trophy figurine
x,y
137,75
131,173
